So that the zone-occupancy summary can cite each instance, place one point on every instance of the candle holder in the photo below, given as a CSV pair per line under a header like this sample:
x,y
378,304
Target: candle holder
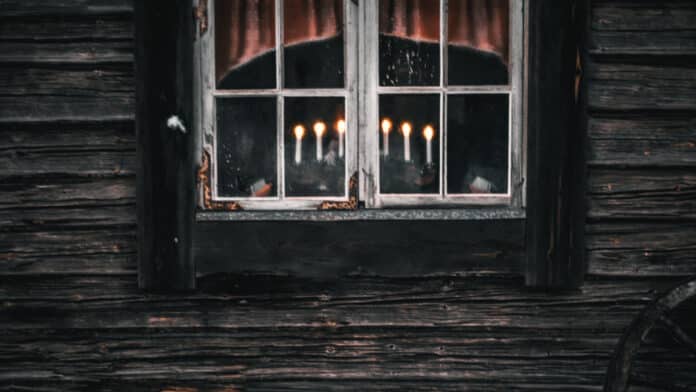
x,y
314,178
398,176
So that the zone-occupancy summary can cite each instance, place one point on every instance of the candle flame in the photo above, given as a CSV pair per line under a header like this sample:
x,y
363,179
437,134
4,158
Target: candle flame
x,y
319,128
386,125
429,132
406,129
341,126
299,131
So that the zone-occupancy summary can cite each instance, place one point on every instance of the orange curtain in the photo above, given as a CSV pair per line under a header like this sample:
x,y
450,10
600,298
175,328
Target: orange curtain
x,y
245,29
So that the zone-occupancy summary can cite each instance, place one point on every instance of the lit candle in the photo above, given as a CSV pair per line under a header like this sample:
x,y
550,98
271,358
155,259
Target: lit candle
x,y
341,128
299,132
386,128
406,131
319,129
429,133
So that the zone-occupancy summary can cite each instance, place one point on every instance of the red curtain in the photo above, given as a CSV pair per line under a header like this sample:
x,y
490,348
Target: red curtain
x,y
245,29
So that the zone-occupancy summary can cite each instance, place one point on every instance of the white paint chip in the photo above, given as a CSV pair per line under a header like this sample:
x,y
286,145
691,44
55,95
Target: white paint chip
x,y
174,123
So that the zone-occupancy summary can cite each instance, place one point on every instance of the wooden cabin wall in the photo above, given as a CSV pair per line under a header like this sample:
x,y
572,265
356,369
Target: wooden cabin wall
x,y
72,317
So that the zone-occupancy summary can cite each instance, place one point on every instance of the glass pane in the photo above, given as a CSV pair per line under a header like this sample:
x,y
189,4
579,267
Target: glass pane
x,y
409,143
246,147
477,143
478,42
313,42
409,36
315,147
245,44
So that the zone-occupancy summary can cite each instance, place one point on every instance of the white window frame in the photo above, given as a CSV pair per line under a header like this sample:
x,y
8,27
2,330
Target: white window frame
x,y
369,101
361,93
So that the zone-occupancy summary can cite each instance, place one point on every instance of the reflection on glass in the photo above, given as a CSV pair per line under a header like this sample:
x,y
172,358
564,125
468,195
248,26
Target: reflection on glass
x,y
245,44
313,44
477,143
478,42
246,147
409,36
314,134
409,143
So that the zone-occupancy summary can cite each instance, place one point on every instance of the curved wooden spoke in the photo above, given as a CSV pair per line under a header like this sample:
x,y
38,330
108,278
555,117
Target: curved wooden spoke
x,y
678,334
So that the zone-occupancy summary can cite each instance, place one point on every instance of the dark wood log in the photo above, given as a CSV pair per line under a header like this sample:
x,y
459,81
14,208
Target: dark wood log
x,y
15,8
620,86
68,193
73,53
646,141
165,157
641,249
552,141
665,194
654,28
67,29
59,162
105,251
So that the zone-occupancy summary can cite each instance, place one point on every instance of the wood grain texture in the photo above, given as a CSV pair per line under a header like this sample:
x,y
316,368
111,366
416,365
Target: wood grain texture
x,y
290,334
642,249
656,193
626,86
642,141
23,8
640,28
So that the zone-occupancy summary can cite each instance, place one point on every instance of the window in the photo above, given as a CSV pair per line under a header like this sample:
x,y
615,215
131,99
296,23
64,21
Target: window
x,y
417,101
175,75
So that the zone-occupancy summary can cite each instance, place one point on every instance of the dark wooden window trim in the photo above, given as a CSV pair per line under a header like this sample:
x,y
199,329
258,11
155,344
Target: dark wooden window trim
x,y
170,239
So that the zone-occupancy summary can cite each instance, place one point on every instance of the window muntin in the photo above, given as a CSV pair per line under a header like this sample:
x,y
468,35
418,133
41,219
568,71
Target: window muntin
x,y
438,182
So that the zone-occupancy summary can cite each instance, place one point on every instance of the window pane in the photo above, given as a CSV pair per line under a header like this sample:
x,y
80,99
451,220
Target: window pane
x,y
315,147
406,124
409,36
313,44
245,44
477,143
478,42
246,147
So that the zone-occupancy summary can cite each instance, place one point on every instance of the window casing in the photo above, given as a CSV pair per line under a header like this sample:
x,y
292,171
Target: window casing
x,y
363,96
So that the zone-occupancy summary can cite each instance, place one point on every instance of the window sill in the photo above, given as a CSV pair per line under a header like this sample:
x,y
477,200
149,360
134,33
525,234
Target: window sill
x,y
441,214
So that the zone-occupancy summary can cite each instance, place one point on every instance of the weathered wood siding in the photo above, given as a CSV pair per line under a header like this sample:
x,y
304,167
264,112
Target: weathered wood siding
x,y
72,317
641,123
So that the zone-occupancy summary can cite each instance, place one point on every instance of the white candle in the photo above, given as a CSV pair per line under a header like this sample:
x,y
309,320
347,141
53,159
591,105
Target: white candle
x,y
299,132
429,133
319,129
341,128
406,131
386,128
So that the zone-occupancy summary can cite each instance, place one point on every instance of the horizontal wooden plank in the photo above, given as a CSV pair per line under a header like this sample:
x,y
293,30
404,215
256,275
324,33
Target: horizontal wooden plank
x,y
255,302
12,8
617,86
645,141
60,30
41,219
68,193
66,162
104,251
38,109
72,53
55,83
74,137
643,28
642,194
329,249
641,249
264,357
